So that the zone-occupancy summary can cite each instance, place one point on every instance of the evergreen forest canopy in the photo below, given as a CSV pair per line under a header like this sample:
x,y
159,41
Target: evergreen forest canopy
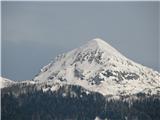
x,y
32,104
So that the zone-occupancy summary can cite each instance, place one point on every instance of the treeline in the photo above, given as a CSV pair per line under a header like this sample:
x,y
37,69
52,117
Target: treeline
x,y
74,103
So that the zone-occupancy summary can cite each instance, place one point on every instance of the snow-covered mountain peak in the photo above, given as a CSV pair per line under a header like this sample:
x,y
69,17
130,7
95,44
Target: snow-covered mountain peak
x,y
99,67
101,45
97,41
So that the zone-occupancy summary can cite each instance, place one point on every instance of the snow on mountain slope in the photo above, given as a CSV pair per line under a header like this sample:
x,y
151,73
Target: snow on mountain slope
x,y
99,67
5,82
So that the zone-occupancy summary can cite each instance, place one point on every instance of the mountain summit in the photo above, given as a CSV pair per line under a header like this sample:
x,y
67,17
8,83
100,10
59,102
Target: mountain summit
x,y
99,67
101,44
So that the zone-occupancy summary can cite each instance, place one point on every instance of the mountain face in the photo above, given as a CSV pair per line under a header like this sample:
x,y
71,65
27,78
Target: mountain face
x,y
99,67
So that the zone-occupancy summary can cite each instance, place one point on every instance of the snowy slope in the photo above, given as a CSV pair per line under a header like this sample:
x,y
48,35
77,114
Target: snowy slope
x,y
5,82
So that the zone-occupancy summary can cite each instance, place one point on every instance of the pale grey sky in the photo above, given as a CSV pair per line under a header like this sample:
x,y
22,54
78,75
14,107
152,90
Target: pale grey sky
x,y
33,33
